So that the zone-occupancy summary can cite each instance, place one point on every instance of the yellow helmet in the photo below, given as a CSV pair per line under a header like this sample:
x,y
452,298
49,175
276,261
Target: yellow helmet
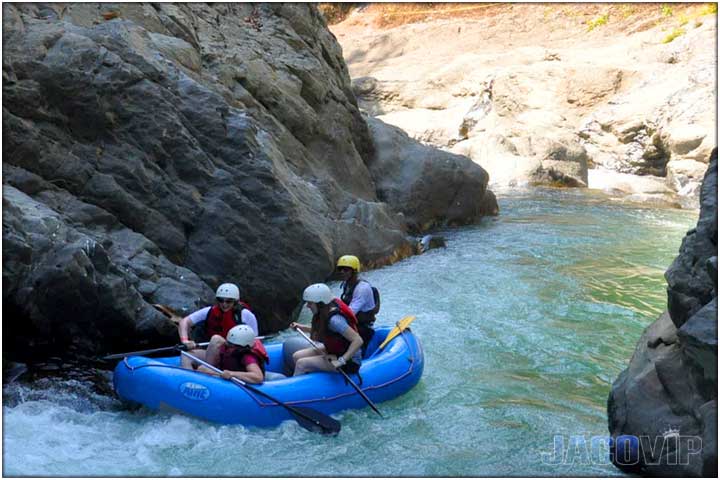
x,y
349,261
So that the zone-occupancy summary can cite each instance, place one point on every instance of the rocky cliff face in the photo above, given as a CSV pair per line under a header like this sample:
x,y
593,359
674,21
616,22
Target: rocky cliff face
x,y
152,151
563,94
669,390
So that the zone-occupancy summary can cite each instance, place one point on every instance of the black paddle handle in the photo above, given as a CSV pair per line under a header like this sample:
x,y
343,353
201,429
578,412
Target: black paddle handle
x,y
289,407
359,390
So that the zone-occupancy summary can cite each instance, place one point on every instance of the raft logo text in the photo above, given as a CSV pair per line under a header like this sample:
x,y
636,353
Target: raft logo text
x,y
194,391
669,449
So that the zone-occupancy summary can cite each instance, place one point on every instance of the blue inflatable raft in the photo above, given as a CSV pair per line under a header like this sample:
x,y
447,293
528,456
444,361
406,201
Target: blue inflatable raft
x,y
161,384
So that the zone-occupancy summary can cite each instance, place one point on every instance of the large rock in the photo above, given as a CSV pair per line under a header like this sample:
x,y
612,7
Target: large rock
x,y
691,278
170,147
402,169
668,393
76,289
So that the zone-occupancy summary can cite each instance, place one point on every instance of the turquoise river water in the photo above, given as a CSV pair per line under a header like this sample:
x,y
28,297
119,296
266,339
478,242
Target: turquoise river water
x,y
525,319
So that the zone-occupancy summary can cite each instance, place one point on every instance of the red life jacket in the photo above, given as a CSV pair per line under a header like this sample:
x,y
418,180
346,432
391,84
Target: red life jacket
x,y
218,322
335,343
231,356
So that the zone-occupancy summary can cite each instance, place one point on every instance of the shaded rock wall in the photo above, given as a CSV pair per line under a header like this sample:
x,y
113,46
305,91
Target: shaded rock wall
x,y
151,151
670,386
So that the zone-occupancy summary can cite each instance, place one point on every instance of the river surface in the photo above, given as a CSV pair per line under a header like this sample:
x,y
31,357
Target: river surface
x,y
525,319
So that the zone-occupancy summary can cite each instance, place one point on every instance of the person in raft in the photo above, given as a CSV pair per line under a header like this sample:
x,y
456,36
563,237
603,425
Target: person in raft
x,y
333,324
218,319
359,295
241,356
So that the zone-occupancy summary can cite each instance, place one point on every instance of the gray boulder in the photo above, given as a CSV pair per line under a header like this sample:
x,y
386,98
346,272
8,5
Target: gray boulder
x,y
408,176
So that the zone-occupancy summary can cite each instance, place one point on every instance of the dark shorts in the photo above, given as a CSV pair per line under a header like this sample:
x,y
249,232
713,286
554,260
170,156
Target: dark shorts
x,y
350,368
366,333
199,333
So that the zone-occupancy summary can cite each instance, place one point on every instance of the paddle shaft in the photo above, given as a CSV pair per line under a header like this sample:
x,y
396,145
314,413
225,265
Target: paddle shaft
x,y
293,410
118,356
341,371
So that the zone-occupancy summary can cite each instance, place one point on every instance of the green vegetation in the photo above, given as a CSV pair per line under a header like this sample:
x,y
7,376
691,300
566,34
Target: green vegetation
x,y
601,20
547,11
626,11
684,18
666,11
335,12
673,35
709,8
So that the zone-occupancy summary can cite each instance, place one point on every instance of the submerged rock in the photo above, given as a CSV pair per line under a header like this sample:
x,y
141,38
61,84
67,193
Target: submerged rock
x,y
14,371
668,393
429,242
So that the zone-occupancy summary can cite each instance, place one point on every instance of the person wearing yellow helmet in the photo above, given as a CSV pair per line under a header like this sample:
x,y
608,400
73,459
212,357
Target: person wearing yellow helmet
x,y
361,297
349,261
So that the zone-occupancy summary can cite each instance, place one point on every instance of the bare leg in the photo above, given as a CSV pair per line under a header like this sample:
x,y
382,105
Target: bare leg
x,y
307,352
185,362
315,363
212,356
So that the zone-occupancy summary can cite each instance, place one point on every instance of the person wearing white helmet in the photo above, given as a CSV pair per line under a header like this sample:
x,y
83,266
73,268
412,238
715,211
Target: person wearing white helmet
x,y
335,325
216,321
240,355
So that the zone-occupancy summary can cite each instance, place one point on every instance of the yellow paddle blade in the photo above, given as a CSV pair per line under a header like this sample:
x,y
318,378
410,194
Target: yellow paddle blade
x,y
399,327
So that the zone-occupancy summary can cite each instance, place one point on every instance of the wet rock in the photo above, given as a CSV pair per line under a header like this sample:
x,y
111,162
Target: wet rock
x,y
13,371
669,390
429,242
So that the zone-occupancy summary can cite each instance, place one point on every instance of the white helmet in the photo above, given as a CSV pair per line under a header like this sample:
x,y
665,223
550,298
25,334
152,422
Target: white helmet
x,y
228,290
241,335
318,293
